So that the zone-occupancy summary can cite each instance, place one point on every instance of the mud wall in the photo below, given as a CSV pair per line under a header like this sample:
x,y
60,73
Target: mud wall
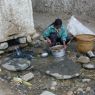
x,y
16,18
84,7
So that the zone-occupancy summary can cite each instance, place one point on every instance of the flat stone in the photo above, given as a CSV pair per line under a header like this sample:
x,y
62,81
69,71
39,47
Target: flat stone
x,y
70,93
22,40
47,93
80,93
65,69
83,59
29,39
53,85
1,51
3,45
88,89
86,80
28,76
16,64
89,66
45,54
79,89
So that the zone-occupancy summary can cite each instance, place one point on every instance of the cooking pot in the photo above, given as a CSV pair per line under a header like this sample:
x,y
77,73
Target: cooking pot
x,y
58,51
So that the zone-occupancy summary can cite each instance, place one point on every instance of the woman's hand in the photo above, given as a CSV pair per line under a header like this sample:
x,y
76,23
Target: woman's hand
x,y
65,46
48,41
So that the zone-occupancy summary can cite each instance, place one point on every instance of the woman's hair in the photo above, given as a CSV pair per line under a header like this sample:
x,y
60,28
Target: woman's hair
x,y
57,22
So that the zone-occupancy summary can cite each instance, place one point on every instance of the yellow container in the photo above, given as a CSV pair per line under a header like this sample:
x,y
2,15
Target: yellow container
x,y
85,42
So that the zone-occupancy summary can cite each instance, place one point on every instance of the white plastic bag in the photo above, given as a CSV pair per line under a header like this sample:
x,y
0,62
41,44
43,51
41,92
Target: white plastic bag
x,y
76,28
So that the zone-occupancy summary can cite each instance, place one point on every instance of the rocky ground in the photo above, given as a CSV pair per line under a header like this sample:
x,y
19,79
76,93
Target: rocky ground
x,y
11,83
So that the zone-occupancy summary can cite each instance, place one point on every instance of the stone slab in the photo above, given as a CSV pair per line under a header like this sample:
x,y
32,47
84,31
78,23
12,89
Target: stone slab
x,y
83,59
89,66
16,64
3,46
65,69
28,76
47,93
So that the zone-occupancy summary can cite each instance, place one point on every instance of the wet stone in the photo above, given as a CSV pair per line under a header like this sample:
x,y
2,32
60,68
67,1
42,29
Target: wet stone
x,y
70,93
53,85
65,69
0,70
22,40
16,64
83,59
45,54
89,66
80,93
47,93
79,90
28,76
86,80
88,89
3,45
1,51
29,39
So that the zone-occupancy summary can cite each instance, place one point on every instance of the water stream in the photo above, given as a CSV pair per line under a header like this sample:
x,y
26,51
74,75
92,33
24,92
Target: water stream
x,y
18,51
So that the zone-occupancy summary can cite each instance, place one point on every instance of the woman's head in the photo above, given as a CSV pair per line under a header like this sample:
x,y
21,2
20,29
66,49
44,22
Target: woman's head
x,y
58,23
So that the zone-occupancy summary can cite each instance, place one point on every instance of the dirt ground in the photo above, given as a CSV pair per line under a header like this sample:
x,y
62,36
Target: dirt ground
x,y
41,81
43,20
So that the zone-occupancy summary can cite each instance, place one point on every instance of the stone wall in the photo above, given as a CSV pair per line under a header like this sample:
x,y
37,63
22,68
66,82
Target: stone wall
x,y
84,7
16,19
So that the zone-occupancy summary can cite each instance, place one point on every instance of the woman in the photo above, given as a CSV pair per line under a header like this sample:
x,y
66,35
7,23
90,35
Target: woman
x,y
56,33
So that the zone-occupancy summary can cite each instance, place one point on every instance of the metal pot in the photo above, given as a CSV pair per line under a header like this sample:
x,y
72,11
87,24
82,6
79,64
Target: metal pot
x,y
58,51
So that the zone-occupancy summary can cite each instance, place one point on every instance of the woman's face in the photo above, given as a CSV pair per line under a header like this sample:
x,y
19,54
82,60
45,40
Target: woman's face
x,y
58,26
